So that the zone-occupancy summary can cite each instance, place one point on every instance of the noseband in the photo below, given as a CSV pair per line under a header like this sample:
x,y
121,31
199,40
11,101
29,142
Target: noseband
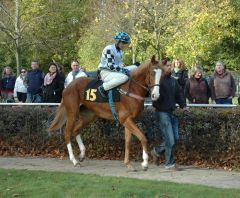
x,y
148,88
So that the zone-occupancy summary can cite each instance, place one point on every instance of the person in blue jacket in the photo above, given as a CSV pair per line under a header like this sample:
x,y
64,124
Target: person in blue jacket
x,y
7,84
34,80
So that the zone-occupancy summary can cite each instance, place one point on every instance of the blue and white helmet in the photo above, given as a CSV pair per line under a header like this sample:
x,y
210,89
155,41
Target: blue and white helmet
x,y
123,37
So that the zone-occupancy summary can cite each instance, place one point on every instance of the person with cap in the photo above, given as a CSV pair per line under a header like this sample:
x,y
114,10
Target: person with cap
x,y
113,71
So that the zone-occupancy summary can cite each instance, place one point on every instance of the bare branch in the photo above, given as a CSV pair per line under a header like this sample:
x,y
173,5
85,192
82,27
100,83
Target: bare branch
x,y
149,13
31,21
6,12
6,30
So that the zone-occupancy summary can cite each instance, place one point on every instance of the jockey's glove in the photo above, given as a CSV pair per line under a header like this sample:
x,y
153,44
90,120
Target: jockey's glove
x,y
115,68
125,71
137,64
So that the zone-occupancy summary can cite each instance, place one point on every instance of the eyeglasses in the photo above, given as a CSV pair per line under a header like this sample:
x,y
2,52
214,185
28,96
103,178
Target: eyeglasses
x,y
23,71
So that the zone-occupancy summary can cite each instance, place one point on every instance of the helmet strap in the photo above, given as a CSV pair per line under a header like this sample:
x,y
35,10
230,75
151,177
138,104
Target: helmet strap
x,y
117,46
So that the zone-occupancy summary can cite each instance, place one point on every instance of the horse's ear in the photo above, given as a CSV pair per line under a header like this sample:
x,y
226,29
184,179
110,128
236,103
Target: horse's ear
x,y
153,60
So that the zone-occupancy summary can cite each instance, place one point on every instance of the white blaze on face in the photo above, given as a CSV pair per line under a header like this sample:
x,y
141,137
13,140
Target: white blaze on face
x,y
155,92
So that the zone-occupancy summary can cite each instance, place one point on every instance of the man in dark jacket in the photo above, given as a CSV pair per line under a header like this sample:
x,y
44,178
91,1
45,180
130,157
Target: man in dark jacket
x,y
35,78
170,94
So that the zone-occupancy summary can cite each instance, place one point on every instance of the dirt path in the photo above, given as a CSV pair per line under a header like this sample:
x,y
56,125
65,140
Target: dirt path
x,y
188,174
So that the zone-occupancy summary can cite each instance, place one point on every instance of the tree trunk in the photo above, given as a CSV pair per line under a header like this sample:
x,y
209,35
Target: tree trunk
x,y
18,36
17,56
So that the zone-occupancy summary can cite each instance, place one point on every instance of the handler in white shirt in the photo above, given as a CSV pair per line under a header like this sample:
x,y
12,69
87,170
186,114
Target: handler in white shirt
x,y
76,72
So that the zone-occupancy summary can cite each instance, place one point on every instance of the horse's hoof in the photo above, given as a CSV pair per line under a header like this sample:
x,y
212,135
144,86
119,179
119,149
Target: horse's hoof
x,y
81,159
131,168
76,163
145,168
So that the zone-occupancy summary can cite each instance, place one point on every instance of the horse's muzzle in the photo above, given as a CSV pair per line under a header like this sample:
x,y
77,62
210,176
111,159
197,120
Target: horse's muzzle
x,y
154,97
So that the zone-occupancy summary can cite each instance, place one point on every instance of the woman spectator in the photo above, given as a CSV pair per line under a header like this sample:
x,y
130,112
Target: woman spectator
x,y
222,85
197,90
20,88
7,84
53,85
179,72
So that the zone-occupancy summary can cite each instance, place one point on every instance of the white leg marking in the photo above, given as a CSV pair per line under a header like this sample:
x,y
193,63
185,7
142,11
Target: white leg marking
x,y
155,92
145,159
81,146
71,155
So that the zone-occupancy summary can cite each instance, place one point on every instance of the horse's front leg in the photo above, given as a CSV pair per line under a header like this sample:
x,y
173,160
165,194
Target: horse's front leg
x,y
131,126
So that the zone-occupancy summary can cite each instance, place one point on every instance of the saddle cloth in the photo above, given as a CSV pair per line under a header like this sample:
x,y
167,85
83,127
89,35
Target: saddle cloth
x,y
91,93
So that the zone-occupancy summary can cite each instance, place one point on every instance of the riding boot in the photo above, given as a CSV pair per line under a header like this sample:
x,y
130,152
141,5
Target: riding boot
x,y
102,91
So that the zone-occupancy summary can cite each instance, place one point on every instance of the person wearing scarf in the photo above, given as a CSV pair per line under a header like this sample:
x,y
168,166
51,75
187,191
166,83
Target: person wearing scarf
x,y
53,85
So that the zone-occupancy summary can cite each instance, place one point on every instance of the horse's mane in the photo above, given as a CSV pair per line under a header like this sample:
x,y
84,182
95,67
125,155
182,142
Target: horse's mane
x,y
141,69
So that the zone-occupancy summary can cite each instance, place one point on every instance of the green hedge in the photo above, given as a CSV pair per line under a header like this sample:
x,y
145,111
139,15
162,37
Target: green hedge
x,y
208,137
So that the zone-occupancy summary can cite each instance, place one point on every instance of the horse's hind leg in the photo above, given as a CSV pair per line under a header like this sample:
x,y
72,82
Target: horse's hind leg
x,y
69,127
71,111
128,136
85,118
131,126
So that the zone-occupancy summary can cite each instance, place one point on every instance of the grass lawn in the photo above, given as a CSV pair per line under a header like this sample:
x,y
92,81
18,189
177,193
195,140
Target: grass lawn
x,y
23,183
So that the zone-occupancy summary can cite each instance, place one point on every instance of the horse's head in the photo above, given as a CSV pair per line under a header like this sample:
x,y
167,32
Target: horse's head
x,y
153,78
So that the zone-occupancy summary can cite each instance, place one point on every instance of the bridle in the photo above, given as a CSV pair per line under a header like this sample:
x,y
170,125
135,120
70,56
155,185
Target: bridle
x,y
147,88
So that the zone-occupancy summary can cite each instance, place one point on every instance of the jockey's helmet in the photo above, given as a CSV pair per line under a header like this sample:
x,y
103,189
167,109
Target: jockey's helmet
x,y
122,37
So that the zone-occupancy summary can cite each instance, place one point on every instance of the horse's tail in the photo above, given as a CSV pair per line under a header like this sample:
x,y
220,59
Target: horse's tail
x,y
59,120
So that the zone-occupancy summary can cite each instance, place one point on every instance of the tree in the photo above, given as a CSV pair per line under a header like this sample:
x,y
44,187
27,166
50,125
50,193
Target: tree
x,y
10,24
203,26
43,29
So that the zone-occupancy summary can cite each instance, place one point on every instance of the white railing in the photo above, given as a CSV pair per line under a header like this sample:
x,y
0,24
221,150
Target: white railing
x,y
146,104
203,105
29,104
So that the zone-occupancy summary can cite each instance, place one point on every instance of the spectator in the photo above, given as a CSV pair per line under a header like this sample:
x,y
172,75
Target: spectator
x,y
20,88
62,76
222,85
197,90
180,73
61,72
53,85
76,72
35,79
170,94
7,84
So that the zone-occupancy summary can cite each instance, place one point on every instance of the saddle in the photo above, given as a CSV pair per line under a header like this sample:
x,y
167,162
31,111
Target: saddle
x,y
92,94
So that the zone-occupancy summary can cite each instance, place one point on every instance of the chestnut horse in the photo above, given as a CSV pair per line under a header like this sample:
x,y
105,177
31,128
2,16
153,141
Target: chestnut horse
x,y
145,78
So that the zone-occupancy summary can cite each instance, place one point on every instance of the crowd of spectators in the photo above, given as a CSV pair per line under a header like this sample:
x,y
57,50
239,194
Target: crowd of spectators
x,y
34,86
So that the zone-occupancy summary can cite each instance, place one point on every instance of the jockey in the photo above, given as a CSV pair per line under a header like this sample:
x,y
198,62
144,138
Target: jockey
x,y
112,70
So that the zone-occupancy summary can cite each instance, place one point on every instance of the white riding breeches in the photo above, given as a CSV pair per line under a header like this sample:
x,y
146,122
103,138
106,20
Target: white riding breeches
x,y
112,79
